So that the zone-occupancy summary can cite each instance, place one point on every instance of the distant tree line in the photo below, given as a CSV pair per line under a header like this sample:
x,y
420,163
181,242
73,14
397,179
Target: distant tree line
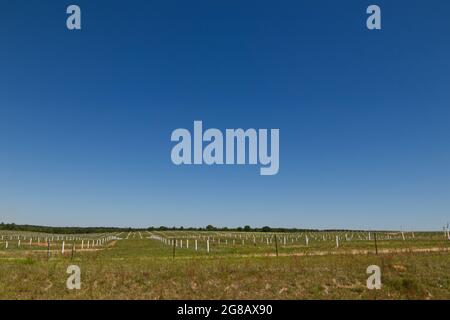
x,y
84,230
59,230
239,229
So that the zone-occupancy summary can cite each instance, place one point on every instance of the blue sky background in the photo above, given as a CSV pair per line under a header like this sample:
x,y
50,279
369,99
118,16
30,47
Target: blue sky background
x,y
364,116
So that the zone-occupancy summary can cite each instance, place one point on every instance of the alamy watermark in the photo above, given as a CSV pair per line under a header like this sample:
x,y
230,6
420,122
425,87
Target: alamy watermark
x,y
74,280
73,21
242,147
374,280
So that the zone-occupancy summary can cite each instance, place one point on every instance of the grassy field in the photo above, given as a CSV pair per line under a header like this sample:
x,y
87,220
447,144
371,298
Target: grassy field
x,y
238,266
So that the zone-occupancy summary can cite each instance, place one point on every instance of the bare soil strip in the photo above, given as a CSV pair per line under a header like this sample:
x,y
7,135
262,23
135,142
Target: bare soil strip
x,y
353,252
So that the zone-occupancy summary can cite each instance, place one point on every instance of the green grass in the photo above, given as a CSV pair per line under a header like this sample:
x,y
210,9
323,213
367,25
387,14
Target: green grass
x,y
136,268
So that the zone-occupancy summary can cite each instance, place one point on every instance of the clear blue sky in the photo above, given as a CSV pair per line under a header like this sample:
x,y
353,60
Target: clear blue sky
x,y
364,116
